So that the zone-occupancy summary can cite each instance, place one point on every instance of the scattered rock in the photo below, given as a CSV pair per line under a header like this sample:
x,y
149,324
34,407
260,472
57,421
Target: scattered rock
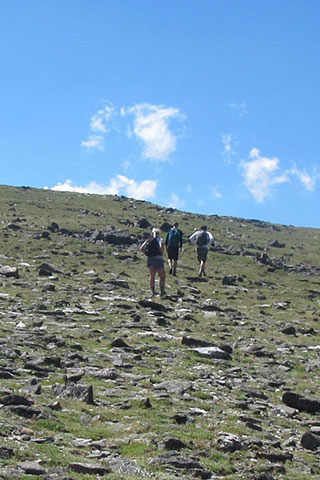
x,y
80,392
310,441
32,468
90,468
301,403
7,271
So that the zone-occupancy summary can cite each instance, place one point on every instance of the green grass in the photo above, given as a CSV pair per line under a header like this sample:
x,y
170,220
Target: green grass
x,y
252,316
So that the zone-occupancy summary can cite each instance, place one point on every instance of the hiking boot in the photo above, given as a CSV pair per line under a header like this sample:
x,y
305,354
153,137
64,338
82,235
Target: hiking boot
x,y
162,293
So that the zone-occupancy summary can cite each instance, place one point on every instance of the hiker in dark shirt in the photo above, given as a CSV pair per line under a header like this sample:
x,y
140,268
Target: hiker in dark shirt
x,y
153,248
173,246
202,239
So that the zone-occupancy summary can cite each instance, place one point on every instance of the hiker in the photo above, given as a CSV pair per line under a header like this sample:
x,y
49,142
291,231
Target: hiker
x,y
202,239
153,249
173,246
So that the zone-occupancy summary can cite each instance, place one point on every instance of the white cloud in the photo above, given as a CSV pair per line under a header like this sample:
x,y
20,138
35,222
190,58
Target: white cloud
x,y
216,193
142,191
240,107
260,175
228,148
151,125
307,181
94,141
98,121
176,202
120,185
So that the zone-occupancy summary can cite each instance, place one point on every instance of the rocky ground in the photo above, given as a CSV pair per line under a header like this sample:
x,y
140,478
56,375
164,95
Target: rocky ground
x,y
217,380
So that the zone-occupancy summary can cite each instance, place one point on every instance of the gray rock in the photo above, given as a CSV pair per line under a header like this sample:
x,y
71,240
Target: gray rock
x,y
7,271
178,387
229,280
125,466
144,223
153,305
16,400
32,468
229,442
89,468
295,400
289,330
81,392
172,443
47,270
6,452
310,441
212,352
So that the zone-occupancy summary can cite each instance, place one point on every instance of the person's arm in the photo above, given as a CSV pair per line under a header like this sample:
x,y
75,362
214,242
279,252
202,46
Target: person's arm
x,y
210,239
181,240
167,239
141,249
161,245
193,237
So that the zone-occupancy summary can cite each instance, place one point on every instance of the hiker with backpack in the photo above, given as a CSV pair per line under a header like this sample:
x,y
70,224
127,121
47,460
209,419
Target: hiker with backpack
x,y
173,246
153,248
202,239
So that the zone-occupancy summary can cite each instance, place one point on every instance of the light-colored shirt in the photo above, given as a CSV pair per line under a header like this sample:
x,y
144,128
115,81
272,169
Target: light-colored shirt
x,y
194,237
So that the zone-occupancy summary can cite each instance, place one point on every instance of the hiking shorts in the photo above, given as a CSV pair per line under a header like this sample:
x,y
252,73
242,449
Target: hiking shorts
x,y
173,253
202,254
156,262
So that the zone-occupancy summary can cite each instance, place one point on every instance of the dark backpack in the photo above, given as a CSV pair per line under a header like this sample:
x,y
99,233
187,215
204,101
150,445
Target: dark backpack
x,y
174,238
202,239
151,248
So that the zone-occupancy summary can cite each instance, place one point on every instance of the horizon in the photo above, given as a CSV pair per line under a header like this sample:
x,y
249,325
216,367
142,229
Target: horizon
x,y
210,109
182,211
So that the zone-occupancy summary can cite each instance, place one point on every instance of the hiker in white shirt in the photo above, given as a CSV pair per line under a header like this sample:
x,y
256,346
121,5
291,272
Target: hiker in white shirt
x,y
202,239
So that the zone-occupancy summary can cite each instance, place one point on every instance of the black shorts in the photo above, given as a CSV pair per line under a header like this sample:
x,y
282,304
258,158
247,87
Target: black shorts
x,y
156,262
173,253
202,253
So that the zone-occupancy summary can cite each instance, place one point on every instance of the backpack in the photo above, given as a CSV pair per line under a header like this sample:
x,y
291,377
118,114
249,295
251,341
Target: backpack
x,y
151,248
202,239
174,238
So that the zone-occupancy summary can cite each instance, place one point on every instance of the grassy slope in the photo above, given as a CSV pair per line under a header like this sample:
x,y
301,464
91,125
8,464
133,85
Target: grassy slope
x,y
254,313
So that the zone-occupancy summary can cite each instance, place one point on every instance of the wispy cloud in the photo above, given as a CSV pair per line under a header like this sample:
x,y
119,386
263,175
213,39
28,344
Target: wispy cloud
x,y
241,108
216,192
94,141
99,121
176,202
120,185
228,146
150,124
98,127
308,181
260,175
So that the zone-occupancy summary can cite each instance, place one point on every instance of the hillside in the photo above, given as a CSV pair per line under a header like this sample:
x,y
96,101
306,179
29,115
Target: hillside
x,y
218,379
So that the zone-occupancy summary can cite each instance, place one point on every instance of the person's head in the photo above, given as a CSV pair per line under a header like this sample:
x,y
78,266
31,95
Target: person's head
x,y
204,228
176,224
155,232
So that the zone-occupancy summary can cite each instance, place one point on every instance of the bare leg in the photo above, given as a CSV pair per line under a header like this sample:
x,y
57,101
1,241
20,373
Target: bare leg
x,y
152,271
162,275
175,263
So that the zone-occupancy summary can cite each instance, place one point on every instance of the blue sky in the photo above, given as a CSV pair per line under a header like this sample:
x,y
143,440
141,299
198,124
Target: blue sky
x,y
208,106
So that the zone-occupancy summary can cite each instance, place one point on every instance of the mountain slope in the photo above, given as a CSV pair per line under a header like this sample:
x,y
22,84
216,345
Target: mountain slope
x,y
219,379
